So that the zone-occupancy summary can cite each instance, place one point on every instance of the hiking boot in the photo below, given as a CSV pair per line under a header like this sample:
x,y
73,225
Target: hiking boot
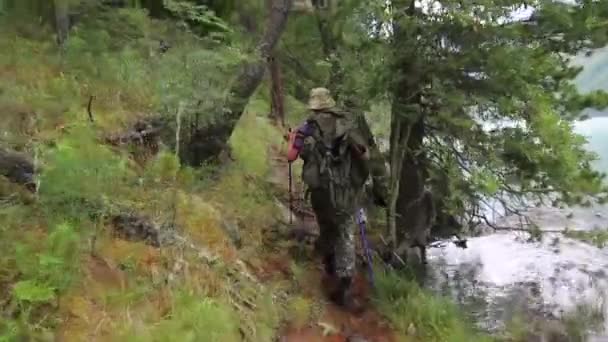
x,y
342,296
329,264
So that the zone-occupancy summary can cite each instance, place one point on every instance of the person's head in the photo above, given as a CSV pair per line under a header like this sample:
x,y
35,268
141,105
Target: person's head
x,y
320,99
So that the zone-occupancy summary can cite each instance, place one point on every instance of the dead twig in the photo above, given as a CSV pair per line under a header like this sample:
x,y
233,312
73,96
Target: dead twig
x,y
89,109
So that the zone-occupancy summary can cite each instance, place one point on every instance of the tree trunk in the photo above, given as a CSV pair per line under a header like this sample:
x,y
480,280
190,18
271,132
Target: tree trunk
x,y
400,132
406,209
156,8
62,21
208,143
277,107
410,210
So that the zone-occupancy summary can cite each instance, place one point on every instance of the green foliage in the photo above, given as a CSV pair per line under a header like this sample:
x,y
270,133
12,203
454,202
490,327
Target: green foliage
x,y
583,319
80,175
576,324
251,142
113,55
50,271
163,169
473,70
498,102
410,308
31,292
198,15
299,311
9,331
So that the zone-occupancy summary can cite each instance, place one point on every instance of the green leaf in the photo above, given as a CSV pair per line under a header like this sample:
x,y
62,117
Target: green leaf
x,y
49,261
30,291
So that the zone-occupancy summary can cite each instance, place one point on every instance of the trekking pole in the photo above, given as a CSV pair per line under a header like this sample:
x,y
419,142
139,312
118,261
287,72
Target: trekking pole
x,y
361,220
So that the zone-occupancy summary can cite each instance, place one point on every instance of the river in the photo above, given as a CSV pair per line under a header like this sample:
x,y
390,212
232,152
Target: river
x,y
503,276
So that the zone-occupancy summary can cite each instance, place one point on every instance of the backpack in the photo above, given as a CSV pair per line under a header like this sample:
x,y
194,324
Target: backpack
x,y
330,159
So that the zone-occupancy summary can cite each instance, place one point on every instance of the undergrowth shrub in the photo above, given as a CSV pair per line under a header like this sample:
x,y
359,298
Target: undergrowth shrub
x,y
81,177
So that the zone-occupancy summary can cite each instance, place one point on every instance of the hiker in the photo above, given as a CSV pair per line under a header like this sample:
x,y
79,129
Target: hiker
x,y
335,170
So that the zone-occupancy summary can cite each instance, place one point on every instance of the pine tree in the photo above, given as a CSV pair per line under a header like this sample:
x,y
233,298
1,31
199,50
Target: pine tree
x,y
460,67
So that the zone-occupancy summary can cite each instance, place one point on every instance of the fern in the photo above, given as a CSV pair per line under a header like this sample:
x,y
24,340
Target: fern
x,y
51,270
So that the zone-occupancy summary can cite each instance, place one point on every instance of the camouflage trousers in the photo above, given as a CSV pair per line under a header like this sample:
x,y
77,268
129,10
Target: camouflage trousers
x,y
337,232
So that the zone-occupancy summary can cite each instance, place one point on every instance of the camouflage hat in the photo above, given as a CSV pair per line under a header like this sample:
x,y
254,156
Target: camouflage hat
x,y
320,98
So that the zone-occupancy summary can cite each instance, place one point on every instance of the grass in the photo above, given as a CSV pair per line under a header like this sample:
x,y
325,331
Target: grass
x,y
299,311
192,319
598,238
47,280
575,324
421,315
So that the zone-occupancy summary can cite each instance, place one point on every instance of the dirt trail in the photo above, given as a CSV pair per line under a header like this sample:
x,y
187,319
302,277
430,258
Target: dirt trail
x,y
334,324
